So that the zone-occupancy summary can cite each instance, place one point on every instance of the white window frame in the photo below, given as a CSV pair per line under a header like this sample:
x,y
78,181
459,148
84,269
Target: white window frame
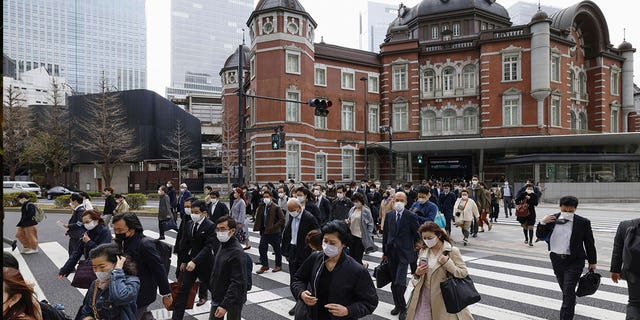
x,y
293,160
469,77
427,124
373,84
323,82
435,32
373,117
509,62
456,29
252,67
470,119
512,120
555,67
347,112
614,123
449,124
448,81
400,78
615,82
556,118
348,164
582,85
289,68
293,109
320,122
429,82
401,116
344,76
320,173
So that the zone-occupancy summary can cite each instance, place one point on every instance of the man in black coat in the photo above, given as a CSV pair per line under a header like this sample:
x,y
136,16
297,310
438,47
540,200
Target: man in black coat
x,y
323,204
570,241
447,200
216,208
196,246
110,205
341,205
621,265
229,273
399,238
173,199
75,228
151,272
294,248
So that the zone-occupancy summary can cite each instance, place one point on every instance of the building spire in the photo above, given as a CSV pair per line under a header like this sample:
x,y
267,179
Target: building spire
x,y
624,34
242,36
538,5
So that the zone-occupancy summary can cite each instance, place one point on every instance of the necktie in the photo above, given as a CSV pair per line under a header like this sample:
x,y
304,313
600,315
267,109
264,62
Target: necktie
x,y
398,216
195,228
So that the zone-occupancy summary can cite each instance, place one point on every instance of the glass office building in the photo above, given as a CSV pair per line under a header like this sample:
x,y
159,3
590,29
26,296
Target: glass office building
x,y
78,40
203,34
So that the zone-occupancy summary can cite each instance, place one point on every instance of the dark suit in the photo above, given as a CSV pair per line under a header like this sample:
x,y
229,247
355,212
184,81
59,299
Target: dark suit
x,y
196,246
220,209
325,210
398,245
568,268
447,201
311,207
620,260
300,251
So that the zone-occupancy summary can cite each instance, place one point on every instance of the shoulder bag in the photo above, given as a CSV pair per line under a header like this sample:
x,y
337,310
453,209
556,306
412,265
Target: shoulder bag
x,y
458,293
175,288
522,209
84,275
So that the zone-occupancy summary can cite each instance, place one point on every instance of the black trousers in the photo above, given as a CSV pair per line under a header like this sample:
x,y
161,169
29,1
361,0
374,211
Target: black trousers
x,y
399,281
567,271
356,249
633,285
233,313
273,240
73,245
188,279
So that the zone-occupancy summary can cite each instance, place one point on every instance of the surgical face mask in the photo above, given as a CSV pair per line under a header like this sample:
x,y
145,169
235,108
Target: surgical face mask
x,y
330,250
71,205
183,189
474,181
223,236
316,192
294,214
430,242
281,194
301,198
266,201
357,204
398,206
103,276
214,200
464,197
422,200
567,215
446,191
377,185
159,192
529,191
506,183
329,186
363,185
196,217
407,190
187,210
90,225
340,195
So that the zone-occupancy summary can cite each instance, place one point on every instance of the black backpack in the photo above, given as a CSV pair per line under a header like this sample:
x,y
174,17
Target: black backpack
x,y
631,249
164,250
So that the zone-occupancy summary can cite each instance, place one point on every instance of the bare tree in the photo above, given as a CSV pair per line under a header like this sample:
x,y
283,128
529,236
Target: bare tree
x,y
229,158
50,147
15,130
179,148
104,132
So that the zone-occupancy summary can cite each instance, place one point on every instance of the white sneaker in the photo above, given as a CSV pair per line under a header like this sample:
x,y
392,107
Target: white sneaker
x,y
31,251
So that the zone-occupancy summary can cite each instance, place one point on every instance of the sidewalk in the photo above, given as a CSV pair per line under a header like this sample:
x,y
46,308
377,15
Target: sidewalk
x,y
605,206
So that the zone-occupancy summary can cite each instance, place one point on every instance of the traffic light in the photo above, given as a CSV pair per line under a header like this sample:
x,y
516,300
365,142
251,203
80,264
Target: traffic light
x,y
275,141
321,106
281,139
420,160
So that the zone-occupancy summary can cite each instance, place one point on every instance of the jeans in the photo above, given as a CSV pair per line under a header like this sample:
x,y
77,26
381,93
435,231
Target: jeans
x,y
633,307
263,248
465,229
567,273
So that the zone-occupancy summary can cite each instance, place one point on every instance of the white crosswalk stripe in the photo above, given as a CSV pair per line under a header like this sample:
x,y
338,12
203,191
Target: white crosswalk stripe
x,y
502,284
597,224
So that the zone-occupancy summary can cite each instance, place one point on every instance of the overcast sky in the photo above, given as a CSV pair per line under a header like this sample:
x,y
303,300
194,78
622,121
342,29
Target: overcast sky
x,y
338,24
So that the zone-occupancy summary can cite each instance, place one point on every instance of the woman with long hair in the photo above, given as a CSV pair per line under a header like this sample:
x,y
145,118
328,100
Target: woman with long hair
x,y
239,213
97,234
436,259
361,226
529,196
18,300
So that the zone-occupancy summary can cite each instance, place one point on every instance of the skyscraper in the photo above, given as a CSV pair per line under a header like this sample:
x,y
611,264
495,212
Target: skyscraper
x,y
203,34
522,11
378,18
78,40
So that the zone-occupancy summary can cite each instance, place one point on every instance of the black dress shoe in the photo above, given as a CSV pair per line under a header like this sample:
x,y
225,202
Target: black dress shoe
x,y
292,311
395,311
403,315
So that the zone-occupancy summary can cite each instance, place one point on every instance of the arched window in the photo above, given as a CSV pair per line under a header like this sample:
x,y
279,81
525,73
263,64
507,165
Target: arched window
x,y
449,120
572,83
574,122
469,76
428,124
447,80
583,85
429,81
582,126
470,118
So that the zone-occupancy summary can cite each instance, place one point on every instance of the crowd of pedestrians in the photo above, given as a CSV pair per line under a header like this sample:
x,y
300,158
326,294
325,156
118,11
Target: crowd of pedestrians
x,y
322,231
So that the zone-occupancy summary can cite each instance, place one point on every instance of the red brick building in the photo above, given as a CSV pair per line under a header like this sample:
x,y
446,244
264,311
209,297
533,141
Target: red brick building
x,y
462,88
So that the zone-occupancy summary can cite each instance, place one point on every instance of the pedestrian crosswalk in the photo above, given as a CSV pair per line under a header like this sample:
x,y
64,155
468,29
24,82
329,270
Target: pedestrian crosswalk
x,y
512,287
600,224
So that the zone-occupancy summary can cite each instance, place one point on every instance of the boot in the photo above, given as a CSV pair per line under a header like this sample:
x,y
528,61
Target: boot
x,y
526,236
530,238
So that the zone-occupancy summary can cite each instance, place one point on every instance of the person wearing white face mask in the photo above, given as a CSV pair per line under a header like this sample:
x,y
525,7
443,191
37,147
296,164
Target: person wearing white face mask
x,y
75,229
527,222
294,248
361,226
436,258
97,234
465,212
195,247
330,283
399,237
269,222
216,208
570,241
27,232
229,274
323,204
113,294
308,202
341,205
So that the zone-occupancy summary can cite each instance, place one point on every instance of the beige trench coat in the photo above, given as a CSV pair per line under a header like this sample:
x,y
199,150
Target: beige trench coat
x,y
432,279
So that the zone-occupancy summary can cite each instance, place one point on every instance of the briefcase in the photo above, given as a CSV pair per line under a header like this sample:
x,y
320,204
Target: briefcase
x,y
382,274
175,287
588,284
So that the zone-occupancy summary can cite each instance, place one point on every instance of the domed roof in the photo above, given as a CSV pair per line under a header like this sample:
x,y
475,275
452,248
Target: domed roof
x,y
430,7
233,59
539,16
624,46
289,5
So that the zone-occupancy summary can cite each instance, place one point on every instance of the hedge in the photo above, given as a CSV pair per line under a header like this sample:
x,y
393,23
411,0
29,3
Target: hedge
x,y
136,200
62,201
11,199
153,196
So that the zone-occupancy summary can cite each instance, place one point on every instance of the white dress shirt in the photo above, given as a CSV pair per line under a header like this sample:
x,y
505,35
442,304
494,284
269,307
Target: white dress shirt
x,y
561,236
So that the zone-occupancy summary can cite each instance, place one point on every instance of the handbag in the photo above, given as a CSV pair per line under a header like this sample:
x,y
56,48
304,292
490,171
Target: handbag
x,y
458,293
588,284
168,224
84,275
175,287
522,209
241,236
440,220
382,274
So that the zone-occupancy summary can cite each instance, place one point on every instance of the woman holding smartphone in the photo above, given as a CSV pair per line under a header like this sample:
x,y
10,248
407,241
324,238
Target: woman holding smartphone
x,y
435,260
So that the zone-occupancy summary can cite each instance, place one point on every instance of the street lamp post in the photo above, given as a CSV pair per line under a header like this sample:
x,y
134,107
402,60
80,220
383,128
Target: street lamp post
x,y
389,130
366,125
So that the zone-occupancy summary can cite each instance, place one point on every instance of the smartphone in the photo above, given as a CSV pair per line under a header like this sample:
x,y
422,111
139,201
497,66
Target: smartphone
x,y
424,261
446,253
